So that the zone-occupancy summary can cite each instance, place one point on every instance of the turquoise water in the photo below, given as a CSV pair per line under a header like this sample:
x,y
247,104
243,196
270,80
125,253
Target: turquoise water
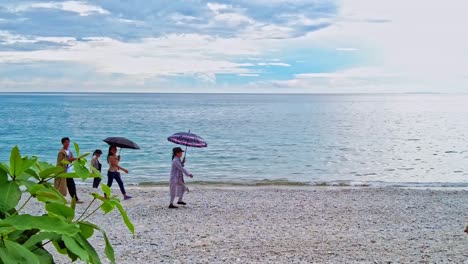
x,y
311,139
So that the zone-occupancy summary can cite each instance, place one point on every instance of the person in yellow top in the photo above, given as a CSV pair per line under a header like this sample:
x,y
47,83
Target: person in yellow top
x,y
62,184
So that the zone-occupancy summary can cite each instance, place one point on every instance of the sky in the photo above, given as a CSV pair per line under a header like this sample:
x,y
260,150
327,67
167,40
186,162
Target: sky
x,y
246,46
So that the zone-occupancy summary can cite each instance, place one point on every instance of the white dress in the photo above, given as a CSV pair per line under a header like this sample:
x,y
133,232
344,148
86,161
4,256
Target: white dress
x,y
177,183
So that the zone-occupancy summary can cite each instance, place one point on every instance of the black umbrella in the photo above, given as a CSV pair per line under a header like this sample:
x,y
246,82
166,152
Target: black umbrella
x,y
121,142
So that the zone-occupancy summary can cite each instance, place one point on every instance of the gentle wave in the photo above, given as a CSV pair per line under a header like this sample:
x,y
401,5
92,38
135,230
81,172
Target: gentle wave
x,y
284,182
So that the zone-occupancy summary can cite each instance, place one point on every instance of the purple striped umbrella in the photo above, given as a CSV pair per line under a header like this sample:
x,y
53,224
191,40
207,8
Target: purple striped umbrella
x,y
188,140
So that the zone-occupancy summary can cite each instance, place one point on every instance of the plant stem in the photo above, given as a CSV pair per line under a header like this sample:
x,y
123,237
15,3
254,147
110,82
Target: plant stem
x,y
22,206
42,245
95,210
89,205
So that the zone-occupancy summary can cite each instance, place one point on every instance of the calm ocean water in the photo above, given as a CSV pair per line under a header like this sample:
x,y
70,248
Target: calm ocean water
x,y
314,139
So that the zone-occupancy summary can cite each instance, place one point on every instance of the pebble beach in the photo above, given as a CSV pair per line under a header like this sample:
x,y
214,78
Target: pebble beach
x,y
279,224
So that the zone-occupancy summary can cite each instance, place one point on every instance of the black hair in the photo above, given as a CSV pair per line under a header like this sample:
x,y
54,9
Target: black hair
x,y
65,139
109,153
175,151
97,151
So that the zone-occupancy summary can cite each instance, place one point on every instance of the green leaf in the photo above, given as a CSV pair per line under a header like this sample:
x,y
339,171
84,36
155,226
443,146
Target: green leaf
x,y
127,221
87,230
40,238
73,203
50,195
60,210
81,170
94,257
77,148
50,172
6,230
27,163
26,183
16,163
15,253
60,247
3,174
43,223
84,156
10,195
73,246
43,255
106,189
109,249
32,173
107,206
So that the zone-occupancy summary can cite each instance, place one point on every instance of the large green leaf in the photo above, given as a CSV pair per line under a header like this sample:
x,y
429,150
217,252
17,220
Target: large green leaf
x,y
26,183
81,170
10,195
45,192
14,253
42,165
41,238
109,250
106,189
3,174
51,172
43,223
127,221
73,246
43,255
84,156
77,149
27,163
16,163
33,173
93,256
6,230
87,230
60,210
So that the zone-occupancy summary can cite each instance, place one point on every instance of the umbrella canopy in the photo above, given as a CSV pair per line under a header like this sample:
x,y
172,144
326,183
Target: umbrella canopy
x,y
121,142
188,139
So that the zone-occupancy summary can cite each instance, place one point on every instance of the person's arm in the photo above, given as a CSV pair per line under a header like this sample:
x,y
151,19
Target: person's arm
x,y
179,166
115,163
94,163
71,158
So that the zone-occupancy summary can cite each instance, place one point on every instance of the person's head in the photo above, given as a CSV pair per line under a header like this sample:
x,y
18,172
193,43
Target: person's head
x,y
97,153
112,152
65,142
177,152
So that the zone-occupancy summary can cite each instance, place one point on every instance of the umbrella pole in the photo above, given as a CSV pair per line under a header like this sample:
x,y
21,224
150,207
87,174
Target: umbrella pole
x,y
185,154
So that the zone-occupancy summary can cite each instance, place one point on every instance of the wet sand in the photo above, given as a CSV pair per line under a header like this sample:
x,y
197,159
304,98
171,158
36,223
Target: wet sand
x,y
277,224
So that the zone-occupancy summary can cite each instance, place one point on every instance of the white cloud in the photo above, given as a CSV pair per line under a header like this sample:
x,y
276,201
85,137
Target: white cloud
x,y
191,54
248,75
281,64
82,8
346,49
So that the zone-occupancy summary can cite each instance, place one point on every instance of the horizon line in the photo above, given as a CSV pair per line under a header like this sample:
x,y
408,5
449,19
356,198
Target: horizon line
x,y
235,93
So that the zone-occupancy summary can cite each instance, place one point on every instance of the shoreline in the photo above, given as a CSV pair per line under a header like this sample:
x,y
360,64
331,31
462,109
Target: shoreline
x,y
318,184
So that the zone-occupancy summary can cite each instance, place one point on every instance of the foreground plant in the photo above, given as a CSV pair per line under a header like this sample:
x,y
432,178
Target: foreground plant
x,y
23,236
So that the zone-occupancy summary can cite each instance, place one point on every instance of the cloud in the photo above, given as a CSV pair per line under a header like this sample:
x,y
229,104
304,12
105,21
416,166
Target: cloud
x,y
193,54
82,8
286,45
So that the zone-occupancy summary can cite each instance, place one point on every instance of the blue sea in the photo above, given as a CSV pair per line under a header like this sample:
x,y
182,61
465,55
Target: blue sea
x,y
396,140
